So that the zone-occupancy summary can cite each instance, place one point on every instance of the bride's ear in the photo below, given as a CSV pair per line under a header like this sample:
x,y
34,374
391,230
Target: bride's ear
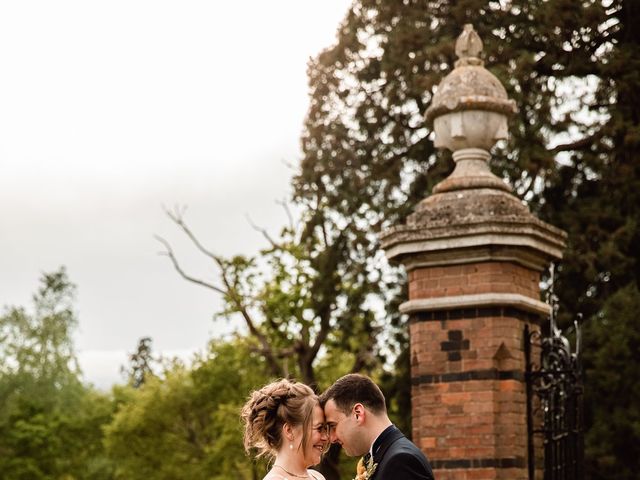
x,y
287,431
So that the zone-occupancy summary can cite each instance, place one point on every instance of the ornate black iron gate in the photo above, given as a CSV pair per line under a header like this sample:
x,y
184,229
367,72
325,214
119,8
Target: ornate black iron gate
x,y
554,400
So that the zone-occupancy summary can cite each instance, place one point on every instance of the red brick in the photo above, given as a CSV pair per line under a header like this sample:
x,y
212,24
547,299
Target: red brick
x,y
454,270
481,474
427,443
510,386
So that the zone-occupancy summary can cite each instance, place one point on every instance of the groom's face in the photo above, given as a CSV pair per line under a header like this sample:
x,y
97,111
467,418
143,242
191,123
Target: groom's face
x,y
342,429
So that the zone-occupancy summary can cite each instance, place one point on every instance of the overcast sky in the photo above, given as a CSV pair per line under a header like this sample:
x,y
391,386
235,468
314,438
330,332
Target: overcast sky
x,y
110,110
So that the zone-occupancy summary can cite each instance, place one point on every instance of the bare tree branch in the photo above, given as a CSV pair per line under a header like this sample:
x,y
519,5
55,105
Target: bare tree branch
x,y
269,353
177,216
325,309
285,205
229,291
264,233
169,253
323,333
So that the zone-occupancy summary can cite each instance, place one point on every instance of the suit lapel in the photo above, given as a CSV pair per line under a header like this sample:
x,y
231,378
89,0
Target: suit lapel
x,y
382,444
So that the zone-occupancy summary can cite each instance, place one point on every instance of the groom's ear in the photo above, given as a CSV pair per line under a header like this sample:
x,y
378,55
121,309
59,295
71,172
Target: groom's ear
x,y
360,412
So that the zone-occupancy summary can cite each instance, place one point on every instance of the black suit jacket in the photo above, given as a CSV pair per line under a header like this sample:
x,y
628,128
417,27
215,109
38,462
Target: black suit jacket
x,y
398,458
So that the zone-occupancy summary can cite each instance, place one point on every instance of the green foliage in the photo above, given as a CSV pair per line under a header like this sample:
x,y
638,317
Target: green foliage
x,y
186,424
39,345
613,383
50,424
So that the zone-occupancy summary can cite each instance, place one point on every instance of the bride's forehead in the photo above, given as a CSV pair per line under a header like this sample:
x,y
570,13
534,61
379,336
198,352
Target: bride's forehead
x,y
318,414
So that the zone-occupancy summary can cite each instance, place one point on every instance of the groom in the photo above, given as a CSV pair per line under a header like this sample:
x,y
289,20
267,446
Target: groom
x,y
356,415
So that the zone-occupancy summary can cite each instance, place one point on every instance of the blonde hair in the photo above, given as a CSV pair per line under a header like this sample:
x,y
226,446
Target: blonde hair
x,y
269,408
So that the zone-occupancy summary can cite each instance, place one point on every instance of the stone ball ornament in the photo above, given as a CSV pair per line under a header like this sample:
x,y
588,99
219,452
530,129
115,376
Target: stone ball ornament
x,y
470,107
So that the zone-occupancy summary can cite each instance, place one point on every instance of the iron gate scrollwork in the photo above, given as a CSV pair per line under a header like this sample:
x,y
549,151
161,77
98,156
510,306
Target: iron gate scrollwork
x,y
554,399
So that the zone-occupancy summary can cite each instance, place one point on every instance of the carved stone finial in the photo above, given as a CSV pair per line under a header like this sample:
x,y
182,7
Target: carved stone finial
x,y
468,112
469,108
469,47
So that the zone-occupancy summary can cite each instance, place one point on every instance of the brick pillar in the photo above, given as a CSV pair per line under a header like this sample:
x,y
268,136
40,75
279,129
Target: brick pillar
x,y
473,255
472,291
468,392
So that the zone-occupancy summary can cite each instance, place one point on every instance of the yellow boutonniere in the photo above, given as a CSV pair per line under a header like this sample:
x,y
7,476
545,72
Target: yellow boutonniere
x,y
364,472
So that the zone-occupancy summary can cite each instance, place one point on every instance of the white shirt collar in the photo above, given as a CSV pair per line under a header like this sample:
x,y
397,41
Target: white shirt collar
x,y
373,443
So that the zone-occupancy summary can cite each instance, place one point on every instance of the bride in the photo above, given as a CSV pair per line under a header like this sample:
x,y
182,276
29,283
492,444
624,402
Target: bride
x,y
284,420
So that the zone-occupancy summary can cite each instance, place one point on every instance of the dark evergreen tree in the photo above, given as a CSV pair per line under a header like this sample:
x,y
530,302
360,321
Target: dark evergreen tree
x,y
141,363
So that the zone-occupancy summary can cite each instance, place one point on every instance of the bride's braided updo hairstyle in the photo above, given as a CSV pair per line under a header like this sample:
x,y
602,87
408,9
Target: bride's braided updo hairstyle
x,y
269,408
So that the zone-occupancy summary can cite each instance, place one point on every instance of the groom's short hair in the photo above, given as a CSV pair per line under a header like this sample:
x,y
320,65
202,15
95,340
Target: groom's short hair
x,y
355,388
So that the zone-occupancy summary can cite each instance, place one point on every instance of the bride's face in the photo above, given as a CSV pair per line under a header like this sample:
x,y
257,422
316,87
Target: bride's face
x,y
318,438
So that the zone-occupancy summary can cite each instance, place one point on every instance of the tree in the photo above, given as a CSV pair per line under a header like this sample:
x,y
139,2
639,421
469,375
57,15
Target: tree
x,y
613,387
140,364
573,153
40,345
300,299
50,424
186,423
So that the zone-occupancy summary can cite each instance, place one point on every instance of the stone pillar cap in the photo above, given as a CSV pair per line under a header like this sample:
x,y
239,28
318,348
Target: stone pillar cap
x,y
459,226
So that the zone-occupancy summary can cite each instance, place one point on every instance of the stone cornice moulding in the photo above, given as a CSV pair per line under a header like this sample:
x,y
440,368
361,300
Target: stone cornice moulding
x,y
443,244
451,226
479,300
